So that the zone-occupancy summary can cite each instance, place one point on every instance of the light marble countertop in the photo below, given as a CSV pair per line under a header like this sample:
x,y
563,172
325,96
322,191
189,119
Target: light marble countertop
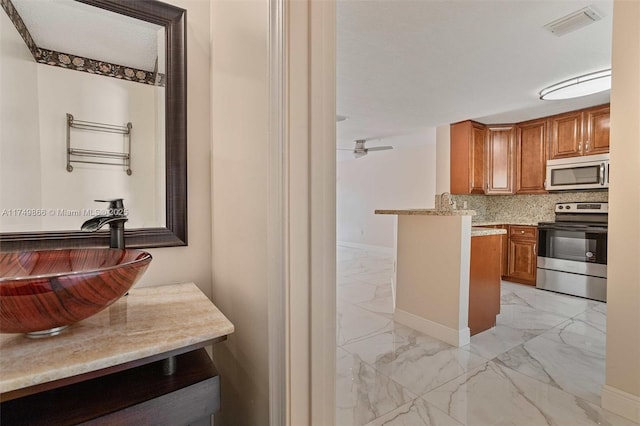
x,y
481,232
504,222
148,322
428,212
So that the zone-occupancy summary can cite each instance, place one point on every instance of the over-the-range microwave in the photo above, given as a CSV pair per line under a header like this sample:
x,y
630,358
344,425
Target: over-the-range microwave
x,y
573,173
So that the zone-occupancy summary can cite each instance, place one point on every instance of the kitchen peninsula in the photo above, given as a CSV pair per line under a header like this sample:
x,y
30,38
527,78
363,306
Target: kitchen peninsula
x,y
447,273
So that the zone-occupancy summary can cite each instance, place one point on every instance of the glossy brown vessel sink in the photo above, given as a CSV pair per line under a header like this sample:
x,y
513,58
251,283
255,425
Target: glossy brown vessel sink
x,y
44,291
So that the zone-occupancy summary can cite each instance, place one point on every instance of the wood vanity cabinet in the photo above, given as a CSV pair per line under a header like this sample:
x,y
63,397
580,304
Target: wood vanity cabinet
x,y
522,257
140,395
500,159
467,158
583,132
531,157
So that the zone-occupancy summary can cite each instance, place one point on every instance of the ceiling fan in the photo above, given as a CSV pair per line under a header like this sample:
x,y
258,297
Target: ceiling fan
x,y
360,150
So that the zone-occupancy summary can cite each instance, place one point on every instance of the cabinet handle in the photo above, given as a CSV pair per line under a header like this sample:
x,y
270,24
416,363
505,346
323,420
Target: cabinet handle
x,y
522,232
586,146
580,147
534,249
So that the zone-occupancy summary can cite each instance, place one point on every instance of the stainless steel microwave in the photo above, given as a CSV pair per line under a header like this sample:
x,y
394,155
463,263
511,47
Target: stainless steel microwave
x,y
574,173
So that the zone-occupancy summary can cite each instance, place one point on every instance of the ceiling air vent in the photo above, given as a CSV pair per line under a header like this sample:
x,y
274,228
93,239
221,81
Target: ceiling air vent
x,y
574,21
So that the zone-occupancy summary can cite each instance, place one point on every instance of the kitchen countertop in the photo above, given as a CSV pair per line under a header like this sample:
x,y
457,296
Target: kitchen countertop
x,y
504,222
428,212
481,232
146,324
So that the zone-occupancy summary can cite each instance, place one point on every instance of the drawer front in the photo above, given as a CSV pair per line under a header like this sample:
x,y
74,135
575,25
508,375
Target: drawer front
x,y
523,232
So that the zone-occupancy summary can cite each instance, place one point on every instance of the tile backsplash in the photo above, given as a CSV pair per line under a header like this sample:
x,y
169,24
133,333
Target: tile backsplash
x,y
525,209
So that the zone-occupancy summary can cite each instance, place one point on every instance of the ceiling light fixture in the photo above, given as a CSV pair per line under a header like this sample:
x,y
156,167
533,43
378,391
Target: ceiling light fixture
x,y
583,85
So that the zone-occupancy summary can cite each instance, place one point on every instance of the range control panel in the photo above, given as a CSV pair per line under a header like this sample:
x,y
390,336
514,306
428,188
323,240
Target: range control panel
x,y
582,207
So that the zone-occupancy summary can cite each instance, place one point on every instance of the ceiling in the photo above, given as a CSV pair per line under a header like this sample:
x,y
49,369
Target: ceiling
x,y
82,30
403,66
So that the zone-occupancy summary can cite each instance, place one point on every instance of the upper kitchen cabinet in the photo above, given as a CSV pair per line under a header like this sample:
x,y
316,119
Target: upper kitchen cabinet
x,y
500,155
566,135
577,133
467,158
597,124
531,157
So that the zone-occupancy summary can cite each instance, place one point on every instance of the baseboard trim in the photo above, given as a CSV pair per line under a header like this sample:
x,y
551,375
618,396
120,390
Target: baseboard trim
x,y
441,332
621,403
368,247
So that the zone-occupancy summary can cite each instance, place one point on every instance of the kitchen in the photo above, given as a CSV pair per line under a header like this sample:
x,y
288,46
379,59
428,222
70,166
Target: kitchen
x,y
518,204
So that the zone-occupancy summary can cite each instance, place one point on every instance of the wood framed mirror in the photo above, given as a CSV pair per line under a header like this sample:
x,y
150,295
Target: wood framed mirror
x,y
173,20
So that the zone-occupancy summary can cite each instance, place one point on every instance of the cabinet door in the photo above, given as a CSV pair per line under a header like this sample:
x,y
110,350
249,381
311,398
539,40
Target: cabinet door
x,y
597,138
531,148
467,158
500,159
566,135
522,261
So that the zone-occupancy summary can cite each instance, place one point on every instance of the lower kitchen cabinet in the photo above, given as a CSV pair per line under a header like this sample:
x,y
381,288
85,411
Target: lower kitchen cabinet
x,y
522,257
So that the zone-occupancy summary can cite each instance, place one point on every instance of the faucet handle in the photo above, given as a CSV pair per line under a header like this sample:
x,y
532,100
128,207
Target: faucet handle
x,y
116,206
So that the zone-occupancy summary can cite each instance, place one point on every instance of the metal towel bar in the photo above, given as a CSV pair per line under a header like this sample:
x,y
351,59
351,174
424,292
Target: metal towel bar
x,y
73,153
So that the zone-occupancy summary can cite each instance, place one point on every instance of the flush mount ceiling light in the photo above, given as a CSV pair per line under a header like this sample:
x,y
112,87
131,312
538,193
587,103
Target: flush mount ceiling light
x,y
583,85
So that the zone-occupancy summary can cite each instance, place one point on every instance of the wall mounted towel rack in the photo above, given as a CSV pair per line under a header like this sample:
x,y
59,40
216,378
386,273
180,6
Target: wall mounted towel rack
x,y
78,155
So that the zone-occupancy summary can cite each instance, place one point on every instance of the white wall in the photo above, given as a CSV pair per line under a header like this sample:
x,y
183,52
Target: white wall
x,y
35,100
400,178
19,131
621,393
90,97
193,262
240,136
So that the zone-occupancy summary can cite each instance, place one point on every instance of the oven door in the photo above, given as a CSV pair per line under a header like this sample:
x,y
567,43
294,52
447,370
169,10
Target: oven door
x,y
578,243
573,260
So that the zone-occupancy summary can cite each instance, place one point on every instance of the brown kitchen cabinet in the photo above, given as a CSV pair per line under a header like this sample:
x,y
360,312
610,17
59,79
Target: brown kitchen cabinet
x,y
522,257
484,282
531,157
583,132
499,159
597,129
467,158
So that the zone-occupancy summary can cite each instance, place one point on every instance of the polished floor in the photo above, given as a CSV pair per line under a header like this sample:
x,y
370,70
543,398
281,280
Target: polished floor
x,y
543,364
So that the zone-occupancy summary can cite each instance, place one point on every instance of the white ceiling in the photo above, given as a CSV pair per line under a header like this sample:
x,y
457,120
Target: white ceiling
x,y
403,66
71,27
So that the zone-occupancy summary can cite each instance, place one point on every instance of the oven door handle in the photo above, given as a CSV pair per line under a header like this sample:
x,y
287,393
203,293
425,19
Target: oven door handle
x,y
590,229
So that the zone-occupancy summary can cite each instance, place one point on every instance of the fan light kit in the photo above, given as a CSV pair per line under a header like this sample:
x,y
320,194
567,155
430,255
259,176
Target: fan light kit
x,y
583,85
360,150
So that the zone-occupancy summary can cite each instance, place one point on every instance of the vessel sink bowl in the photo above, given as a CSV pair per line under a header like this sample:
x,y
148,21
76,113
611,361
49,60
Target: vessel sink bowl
x,y
41,292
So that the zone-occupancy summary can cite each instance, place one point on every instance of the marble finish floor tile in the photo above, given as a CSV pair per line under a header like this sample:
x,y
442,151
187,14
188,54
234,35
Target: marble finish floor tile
x,y
354,323
578,372
587,331
547,359
541,300
496,395
527,319
497,340
416,361
416,413
362,393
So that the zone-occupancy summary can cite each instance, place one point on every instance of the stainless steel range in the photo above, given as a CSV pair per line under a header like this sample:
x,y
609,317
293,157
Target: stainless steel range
x,y
572,251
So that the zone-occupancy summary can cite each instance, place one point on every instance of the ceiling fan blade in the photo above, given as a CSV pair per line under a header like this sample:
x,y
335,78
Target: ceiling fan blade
x,y
379,148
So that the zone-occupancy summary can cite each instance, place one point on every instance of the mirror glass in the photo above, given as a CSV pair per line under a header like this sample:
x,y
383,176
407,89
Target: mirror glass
x,y
82,116
99,114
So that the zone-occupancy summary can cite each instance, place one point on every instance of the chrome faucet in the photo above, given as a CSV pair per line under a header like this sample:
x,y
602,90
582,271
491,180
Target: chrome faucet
x,y
444,201
115,218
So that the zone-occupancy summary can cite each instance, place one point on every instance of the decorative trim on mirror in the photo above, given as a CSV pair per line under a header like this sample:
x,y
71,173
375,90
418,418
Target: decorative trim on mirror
x,y
78,63
175,233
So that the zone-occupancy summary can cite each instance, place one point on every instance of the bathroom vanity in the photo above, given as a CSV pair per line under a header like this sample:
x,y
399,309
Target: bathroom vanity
x,y
140,360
